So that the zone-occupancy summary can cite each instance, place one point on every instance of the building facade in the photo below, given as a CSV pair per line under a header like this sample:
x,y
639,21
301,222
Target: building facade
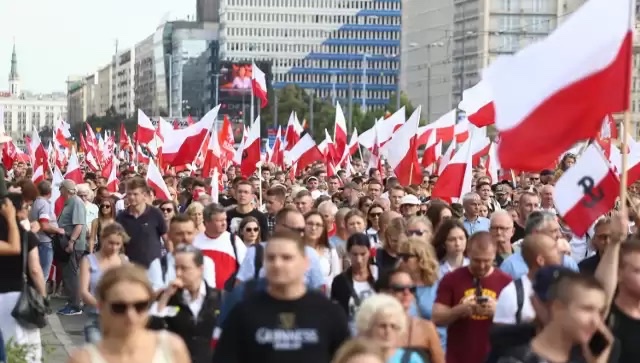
x,y
123,94
207,11
76,100
324,46
91,84
104,89
144,77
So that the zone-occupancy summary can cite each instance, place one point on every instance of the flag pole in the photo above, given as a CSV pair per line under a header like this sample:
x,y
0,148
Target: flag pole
x,y
626,119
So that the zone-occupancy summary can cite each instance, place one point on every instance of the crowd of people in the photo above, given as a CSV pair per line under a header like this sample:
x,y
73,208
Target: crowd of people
x,y
318,268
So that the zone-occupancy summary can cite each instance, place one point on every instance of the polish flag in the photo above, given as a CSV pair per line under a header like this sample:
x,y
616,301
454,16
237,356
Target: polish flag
x,y
213,156
455,180
383,129
277,156
477,105
259,85
339,131
431,152
251,150
61,132
141,157
145,131
446,158
184,145
226,141
39,158
375,158
633,167
304,153
444,128
461,131
73,169
402,151
216,185
609,129
56,180
571,85
155,181
480,147
112,180
351,149
586,191
492,165
293,132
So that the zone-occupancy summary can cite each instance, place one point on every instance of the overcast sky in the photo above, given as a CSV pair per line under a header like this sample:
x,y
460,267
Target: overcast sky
x,y
58,38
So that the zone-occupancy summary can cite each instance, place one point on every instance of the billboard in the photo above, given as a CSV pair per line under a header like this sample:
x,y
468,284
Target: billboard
x,y
234,91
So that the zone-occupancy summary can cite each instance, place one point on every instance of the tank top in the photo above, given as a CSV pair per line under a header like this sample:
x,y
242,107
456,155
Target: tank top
x,y
95,273
162,354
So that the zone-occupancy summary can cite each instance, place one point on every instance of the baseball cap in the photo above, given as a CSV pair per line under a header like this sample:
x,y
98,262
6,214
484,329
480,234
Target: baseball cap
x,y
545,278
501,189
69,185
546,172
410,199
311,178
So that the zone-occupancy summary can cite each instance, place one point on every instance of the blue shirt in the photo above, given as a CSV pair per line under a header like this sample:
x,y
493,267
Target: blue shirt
x,y
515,266
397,357
480,224
313,277
423,308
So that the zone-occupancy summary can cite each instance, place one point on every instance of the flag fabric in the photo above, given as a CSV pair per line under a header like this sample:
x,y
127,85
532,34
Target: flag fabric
x,y
571,85
156,182
259,85
251,150
145,130
402,152
455,179
477,105
304,153
586,191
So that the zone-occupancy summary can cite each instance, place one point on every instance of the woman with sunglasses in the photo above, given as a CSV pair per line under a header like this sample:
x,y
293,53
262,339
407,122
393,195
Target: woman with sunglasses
x,y
106,216
357,282
92,267
124,296
249,230
422,335
420,226
419,259
373,223
450,243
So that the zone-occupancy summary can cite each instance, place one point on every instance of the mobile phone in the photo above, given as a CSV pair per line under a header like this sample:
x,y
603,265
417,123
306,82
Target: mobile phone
x,y
482,299
598,343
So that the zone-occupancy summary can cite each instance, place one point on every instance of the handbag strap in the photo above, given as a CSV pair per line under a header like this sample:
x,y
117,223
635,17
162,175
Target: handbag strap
x,y
24,252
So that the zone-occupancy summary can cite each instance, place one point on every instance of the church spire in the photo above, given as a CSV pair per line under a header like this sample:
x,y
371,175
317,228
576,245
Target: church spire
x,y
13,75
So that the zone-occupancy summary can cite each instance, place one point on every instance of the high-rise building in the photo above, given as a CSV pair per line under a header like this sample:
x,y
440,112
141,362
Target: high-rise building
x,y
448,43
324,46
22,111
123,96
104,89
207,11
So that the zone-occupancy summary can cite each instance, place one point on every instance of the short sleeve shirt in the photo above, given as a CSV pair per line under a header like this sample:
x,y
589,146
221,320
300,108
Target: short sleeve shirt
x,y
74,213
42,211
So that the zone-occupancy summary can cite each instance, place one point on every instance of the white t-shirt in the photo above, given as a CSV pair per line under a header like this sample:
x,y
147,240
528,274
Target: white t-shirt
x,y
507,305
363,289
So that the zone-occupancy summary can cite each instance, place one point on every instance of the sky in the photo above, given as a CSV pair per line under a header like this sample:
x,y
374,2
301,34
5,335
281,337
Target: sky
x,y
58,38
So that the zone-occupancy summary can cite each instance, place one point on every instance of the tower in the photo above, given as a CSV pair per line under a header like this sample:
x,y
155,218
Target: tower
x,y
14,78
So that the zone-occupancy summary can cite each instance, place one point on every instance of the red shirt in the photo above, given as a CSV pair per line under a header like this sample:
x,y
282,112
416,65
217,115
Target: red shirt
x,y
332,231
471,333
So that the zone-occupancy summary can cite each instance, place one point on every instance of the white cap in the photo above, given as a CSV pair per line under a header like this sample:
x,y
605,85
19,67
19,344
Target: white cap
x,y
410,199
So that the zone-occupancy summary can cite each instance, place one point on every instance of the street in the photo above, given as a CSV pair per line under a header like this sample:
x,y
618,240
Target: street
x,y
61,335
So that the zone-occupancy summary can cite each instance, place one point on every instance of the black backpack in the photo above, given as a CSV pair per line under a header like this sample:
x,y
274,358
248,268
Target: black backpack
x,y
258,260
519,299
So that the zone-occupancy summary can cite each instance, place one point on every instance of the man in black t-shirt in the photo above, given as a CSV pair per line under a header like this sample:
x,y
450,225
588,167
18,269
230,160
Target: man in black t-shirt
x,y
245,208
286,323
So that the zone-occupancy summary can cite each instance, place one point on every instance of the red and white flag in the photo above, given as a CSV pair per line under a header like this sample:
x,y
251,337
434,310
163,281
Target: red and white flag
x,y
339,132
145,130
586,191
304,153
112,181
478,105
574,78
259,85
73,169
455,180
156,182
292,132
185,144
251,150
383,129
402,151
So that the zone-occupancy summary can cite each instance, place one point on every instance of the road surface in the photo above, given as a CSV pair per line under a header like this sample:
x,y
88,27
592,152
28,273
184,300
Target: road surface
x,y
62,334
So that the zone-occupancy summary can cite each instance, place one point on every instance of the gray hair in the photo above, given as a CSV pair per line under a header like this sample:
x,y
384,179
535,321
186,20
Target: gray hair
x,y
328,206
212,210
374,306
500,213
537,220
198,256
470,197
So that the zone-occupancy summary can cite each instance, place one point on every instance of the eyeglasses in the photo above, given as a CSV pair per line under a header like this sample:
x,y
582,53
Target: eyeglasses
x,y
415,232
396,288
255,229
106,206
406,256
375,215
121,307
167,210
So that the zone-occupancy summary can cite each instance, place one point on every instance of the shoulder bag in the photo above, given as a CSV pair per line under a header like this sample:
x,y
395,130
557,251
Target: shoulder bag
x,y
31,308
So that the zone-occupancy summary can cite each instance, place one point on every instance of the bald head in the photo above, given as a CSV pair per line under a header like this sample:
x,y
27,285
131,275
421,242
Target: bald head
x,y
540,250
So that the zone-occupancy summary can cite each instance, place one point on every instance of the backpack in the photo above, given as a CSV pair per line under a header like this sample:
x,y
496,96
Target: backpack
x,y
258,260
231,281
519,299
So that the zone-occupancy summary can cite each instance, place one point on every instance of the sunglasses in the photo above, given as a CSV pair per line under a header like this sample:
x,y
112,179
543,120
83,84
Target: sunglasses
x,y
120,307
403,288
415,232
167,210
406,256
255,229
292,229
375,215
105,206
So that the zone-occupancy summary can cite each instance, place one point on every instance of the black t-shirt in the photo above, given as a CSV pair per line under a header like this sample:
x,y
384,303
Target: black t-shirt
x,y
11,266
266,330
524,354
589,265
227,201
234,218
518,233
387,262
146,232
627,332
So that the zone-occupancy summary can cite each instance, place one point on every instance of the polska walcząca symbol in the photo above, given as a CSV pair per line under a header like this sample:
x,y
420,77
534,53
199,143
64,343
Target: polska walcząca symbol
x,y
594,194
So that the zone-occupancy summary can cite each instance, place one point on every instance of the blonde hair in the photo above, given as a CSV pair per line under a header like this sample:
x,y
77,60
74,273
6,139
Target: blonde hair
x,y
427,261
424,220
124,273
357,347
193,206
115,228
396,227
376,305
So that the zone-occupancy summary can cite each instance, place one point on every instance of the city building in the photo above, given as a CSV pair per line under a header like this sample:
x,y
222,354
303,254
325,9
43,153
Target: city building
x,y
326,47
76,100
22,111
122,78
104,89
91,85
144,77
448,43
207,11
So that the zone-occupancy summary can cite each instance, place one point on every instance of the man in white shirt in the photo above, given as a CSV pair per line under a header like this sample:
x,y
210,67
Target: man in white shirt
x,y
514,303
182,230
